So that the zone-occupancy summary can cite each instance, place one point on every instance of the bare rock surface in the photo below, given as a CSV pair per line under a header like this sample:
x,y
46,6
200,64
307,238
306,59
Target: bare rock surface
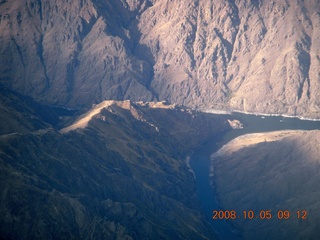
x,y
256,56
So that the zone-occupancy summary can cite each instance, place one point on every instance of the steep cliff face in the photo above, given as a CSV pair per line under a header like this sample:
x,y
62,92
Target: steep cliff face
x,y
247,55
70,53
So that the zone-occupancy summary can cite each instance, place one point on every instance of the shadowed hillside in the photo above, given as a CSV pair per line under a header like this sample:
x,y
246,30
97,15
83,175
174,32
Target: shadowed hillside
x,y
123,176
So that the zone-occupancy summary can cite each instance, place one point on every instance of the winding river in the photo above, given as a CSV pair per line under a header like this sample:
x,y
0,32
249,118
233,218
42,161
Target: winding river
x,y
200,160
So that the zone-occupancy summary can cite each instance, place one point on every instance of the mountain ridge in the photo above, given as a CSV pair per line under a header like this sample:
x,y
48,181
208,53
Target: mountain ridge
x,y
117,176
255,56
136,71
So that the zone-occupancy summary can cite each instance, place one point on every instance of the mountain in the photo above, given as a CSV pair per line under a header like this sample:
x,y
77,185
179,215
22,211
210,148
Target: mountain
x,y
120,174
96,121
252,55
277,171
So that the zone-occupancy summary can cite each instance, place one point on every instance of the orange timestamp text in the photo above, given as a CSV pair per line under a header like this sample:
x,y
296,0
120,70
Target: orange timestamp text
x,y
262,214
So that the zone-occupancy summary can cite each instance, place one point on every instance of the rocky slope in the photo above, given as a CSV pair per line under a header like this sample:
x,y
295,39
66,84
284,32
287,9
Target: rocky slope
x,y
122,175
253,55
21,114
271,171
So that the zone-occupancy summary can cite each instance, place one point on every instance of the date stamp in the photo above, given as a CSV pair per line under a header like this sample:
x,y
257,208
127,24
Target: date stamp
x,y
262,214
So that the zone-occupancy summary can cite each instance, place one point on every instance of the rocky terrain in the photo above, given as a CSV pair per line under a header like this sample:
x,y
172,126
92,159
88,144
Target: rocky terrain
x,y
252,55
121,175
271,171
96,123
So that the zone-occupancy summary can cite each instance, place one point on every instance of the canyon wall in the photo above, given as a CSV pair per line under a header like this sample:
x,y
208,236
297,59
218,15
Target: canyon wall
x,y
260,56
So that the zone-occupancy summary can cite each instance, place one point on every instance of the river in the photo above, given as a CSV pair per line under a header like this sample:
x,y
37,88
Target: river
x,y
200,160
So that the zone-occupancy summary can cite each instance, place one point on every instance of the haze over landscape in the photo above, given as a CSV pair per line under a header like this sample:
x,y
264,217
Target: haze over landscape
x,y
104,101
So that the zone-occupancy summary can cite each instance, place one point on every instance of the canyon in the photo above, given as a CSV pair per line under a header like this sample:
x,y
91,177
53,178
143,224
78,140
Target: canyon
x,y
103,103
121,173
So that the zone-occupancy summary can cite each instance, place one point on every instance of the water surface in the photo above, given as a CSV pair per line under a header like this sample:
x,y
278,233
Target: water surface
x,y
200,160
